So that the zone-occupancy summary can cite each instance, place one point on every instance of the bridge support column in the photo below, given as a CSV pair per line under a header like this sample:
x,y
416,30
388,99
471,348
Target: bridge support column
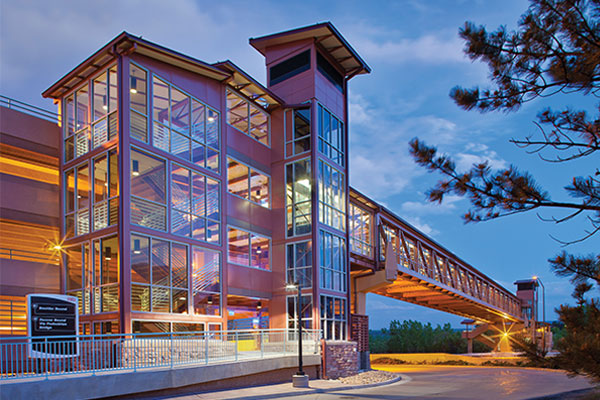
x,y
361,303
469,345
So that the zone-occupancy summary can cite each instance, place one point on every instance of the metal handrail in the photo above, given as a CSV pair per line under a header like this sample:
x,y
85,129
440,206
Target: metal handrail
x,y
85,354
28,109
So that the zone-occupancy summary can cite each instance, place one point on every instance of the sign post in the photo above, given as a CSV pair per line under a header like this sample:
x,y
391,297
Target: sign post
x,y
49,316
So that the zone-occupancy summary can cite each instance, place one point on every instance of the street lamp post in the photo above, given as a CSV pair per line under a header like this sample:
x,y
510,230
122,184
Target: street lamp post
x,y
300,379
537,279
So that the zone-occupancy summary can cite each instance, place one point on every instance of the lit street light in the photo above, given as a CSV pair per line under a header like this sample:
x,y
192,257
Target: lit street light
x,y
300,379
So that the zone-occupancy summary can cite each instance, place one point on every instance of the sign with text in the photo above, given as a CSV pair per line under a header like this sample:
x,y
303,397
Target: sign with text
x,y
52,323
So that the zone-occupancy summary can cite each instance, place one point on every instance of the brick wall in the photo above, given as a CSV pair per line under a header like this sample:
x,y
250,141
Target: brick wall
x,y
339,359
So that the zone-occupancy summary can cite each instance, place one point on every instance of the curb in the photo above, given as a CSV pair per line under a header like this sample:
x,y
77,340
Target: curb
x,y
402,378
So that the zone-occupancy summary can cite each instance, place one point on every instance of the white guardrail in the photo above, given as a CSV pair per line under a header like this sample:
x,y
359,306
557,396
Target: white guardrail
x,y
89,354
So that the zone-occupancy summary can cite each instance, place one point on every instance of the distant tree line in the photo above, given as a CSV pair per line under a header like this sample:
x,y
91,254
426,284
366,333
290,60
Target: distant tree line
x,y
415,337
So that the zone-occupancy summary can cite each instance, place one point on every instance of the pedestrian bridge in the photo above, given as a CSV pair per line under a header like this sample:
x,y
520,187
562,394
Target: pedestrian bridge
x,y
391,258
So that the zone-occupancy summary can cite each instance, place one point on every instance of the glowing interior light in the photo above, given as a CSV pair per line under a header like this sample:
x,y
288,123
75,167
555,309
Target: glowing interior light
x,y
57,247
137,246
133,90
211,119
135,168
107,254
304,182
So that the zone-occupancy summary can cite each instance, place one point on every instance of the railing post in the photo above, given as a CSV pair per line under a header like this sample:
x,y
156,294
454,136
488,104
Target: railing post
x,y
236,345
171,335
285,335
46,355
133,351
93,346
206,346
262,351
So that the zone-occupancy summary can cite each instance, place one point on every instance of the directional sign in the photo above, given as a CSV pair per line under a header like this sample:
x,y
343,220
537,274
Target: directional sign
x,y
49,316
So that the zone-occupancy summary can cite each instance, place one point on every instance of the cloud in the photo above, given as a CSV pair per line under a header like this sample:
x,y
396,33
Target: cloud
x,y
429,208
430,49
420,225
477,153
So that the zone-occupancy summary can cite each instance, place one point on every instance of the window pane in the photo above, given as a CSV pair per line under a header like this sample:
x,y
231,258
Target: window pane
x,y
180,146
198,154
69,116
140,259
179,303
213,231
259,125
160,136
180,188
212,206
100,88
259,187
212,159
198,195
100,179
140,298
113,173
180,223
212,128
147,177
82,101
160,263
239,242
260,252
82,143
198,115
148,214
110,299
237,178
301,123
70,190
205,270
137,88
161,299
180,112
237,112
110,260
83,187
207,304
179,265
112,89
160,101
138,126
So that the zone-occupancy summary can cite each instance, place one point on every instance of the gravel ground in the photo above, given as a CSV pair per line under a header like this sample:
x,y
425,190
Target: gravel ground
x,y
368,377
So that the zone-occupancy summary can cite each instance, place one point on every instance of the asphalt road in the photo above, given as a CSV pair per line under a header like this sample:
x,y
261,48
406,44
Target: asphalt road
x,y
427,382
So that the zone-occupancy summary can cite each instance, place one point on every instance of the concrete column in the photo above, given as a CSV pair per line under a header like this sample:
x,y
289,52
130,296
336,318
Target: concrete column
x,y
361,303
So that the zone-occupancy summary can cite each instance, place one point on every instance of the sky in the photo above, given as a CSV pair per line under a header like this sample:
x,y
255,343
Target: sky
x,y
416,57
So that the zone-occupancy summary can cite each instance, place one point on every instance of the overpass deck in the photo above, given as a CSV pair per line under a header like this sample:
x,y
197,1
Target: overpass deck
x,y
405,264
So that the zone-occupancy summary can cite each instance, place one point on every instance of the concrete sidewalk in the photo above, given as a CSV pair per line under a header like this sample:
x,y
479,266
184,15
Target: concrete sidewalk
x,y
278,391
422,382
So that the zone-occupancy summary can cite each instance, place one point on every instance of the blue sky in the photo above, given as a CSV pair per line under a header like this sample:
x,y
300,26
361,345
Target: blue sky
x,y
416,57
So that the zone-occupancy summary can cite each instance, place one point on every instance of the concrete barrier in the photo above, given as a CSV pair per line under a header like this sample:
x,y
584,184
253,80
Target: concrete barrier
x,y
107,384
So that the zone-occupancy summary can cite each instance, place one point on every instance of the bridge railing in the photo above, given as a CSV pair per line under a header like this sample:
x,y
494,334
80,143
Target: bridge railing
x,y
85,354
414,254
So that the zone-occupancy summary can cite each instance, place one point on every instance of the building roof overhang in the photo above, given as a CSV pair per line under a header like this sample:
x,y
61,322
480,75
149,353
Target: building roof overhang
x,y
327,37
125,43
249,87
